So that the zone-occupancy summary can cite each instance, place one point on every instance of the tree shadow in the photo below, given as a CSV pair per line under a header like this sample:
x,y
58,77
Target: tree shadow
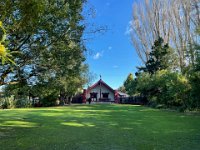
x,y
94,127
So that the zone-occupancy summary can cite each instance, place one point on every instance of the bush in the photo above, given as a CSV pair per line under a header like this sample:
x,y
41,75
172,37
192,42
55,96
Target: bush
x,y
195,94
50,100
174,88
7,102
10,102
166,88
23,103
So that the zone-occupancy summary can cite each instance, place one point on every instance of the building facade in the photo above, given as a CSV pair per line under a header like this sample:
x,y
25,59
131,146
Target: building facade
x,y
100,92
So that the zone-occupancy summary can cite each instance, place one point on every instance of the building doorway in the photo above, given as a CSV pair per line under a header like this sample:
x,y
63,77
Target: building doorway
x,y
93,96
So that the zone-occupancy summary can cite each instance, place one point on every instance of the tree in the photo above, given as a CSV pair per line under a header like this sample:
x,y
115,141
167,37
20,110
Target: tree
x,y
194,76
197,53
122,89
129,84
159,58
177,25
166,88
45,38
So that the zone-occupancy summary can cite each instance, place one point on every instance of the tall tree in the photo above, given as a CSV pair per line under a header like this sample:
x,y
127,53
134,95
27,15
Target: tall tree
x,y
158,58
129,84
45,37
122,89
194,76
153,19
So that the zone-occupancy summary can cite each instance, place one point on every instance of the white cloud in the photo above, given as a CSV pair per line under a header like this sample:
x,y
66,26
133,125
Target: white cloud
x,y
98,55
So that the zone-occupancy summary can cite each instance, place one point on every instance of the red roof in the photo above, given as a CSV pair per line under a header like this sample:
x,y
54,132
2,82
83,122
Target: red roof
x,y
98,83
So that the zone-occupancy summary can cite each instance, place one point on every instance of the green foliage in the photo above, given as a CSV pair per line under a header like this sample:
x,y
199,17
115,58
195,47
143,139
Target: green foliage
x,y
157,57
194,77
122,89
163,84
4,53
23,103
165,87
49,100
7,102
193,74
174,89
19,91
195,94
47,93
144,83
128,81
130,84
160,58
197,52
45,38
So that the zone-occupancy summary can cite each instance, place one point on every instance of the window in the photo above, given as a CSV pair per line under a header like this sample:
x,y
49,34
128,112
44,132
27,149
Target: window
x,y
93,95
105,95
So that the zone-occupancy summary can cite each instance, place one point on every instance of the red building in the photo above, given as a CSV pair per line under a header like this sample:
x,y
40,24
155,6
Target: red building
x,y
100,92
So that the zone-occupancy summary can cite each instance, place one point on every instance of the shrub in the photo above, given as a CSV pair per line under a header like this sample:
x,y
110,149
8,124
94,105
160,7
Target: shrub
x,y
7,102
195,94
174,88
23,103
49,100
165,88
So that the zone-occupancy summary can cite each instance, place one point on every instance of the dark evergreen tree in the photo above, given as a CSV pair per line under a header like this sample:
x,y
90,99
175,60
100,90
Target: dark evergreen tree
x,y
158,57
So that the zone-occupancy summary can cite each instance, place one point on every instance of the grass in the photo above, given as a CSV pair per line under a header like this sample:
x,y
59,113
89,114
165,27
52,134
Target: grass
x,y
99,127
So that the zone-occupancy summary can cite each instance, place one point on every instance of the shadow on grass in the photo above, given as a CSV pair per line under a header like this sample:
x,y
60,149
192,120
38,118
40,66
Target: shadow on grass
x,y
97,127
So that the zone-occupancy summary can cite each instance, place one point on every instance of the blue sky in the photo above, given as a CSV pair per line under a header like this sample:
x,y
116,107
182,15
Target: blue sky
x,y
111,54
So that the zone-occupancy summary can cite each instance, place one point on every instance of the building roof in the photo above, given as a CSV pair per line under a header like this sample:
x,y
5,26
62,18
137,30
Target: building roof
x,y
100,82
123,94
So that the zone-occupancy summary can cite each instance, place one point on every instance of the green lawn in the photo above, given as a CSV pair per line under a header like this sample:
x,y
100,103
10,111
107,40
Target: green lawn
x,y
98,127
